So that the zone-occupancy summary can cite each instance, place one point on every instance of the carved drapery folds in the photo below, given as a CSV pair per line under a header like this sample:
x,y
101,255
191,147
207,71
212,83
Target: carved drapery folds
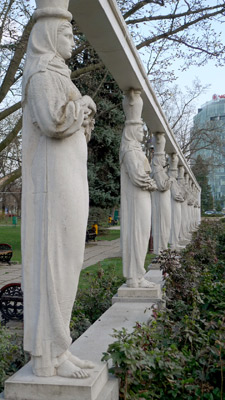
x,y
136,188
57,122
174,203
161,198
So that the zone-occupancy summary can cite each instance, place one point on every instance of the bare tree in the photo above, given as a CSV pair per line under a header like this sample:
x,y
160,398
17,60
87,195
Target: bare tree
x,y
163,30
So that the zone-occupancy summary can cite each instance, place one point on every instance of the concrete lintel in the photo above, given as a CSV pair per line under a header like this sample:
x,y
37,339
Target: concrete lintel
x,y
106,30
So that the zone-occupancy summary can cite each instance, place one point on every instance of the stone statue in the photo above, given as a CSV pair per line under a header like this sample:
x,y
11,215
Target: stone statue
x,y
136,186
189,200
196,208
183,235
193,225
176,200
57,123
161,202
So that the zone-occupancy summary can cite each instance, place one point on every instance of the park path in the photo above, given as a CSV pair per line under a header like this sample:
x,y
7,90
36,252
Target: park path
x,y
94,253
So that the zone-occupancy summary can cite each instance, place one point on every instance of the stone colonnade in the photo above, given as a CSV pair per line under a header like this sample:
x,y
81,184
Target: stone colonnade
x,y
107,32
175,204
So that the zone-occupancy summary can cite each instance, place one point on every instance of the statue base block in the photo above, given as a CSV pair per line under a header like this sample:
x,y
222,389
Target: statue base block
x,y
138,295
26,386
23,385
154,266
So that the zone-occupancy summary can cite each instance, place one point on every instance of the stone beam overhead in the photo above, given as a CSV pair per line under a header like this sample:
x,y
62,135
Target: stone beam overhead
x,y
106,30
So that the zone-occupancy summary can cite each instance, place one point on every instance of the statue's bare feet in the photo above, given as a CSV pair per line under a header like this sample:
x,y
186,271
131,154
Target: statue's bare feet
x,y
83,364
132,283
68,370
146,284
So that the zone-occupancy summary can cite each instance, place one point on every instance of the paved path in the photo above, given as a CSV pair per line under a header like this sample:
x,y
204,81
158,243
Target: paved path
x,y
94,253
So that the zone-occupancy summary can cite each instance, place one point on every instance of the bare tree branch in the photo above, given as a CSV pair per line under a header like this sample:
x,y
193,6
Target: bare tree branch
x,y
15,62
100,85
221,9
11,177
93,67
5,12
79,49
9,138
165,35
140,5
10,110
179,40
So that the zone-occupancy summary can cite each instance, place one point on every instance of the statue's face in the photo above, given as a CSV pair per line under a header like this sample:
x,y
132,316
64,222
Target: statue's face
x,y
158,138
65,42
163,160
140,133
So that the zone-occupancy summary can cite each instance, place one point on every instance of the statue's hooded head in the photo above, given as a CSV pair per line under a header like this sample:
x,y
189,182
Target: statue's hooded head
x,y
42,54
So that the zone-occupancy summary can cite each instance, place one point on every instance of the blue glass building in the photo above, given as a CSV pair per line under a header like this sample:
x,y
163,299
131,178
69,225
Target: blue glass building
x,y
210,124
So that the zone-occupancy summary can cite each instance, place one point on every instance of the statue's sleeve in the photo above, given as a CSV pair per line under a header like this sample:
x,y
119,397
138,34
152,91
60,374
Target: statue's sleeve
x,y
135,170
162,180
54,107
176,191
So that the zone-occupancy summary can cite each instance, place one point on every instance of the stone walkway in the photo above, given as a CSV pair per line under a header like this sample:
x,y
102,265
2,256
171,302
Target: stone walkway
x,y
94,253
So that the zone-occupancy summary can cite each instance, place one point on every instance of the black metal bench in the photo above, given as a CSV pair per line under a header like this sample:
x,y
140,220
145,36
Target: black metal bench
x,y
11,302
5,253
90,234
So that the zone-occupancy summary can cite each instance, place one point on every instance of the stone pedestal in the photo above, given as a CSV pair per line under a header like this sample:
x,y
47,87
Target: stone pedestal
x,y
138,295
100,386
24,385
153,266
147,293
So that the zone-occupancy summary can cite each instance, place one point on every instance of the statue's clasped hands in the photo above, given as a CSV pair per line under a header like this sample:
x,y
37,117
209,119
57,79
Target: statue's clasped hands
x,y
89,109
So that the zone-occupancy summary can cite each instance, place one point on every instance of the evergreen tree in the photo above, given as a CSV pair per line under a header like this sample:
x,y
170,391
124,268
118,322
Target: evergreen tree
x,y
103,148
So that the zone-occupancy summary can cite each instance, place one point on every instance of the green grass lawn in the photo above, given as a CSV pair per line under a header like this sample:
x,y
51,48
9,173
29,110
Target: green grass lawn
x,y
11,235
108,234
114,264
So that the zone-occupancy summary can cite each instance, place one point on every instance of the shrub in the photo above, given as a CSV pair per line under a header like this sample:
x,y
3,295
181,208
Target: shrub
x,y
181,353
11,354
92,302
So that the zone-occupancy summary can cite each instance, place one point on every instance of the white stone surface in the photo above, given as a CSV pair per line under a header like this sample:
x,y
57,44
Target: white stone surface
x,y
155,276
110,391
106,30
26,386
57,123
136,186
155,266
176,200
151,293
161,198
183,234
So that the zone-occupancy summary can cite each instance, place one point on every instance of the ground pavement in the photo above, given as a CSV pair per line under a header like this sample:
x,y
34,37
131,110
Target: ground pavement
x,y
94,252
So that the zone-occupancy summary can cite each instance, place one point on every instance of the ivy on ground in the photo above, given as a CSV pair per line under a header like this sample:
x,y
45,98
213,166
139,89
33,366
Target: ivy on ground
x,y
12,356
181,353
92,302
